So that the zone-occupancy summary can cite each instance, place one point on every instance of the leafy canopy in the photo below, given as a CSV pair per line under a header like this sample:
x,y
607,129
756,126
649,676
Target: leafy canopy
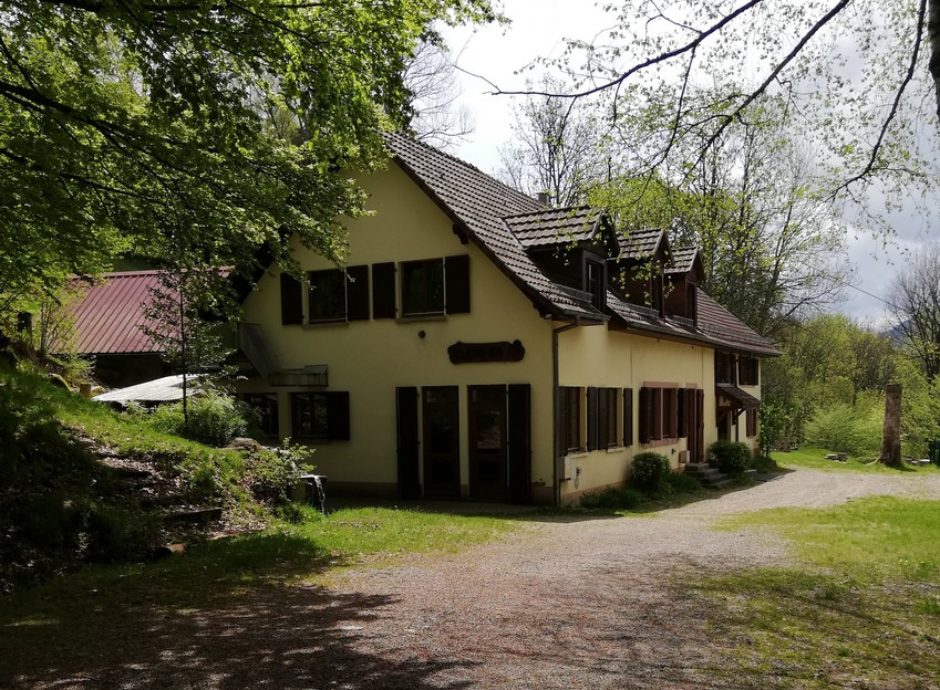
x,y
217,126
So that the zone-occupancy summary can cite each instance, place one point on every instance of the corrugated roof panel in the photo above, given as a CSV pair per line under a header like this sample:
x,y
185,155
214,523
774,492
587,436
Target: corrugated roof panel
x,y
109,318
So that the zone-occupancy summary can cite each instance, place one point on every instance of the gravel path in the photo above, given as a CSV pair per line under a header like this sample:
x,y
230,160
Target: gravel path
x,y
570,602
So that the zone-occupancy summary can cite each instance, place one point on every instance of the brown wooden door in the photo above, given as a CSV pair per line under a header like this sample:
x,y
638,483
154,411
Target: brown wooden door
x,y
488,448
441,442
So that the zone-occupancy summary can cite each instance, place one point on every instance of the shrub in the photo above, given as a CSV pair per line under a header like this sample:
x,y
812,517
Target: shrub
x,y
271,473
854,429
214,419
648,471
613,499
681,483
730,457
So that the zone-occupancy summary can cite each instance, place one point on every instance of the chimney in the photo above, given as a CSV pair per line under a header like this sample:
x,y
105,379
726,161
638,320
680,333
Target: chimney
x,y
544,198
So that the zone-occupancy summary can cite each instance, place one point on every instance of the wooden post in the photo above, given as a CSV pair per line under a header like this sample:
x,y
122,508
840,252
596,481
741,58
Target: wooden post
x,y
891,437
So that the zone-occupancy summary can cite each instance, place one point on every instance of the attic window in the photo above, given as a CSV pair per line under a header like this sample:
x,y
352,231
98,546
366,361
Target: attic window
x,y
595,283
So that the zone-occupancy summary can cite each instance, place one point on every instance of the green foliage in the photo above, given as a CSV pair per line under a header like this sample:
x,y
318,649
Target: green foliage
x,y
647,471
129,126
774,418
676,483
845,428
815,458
214,418
920,407
730,457
613,499
270,473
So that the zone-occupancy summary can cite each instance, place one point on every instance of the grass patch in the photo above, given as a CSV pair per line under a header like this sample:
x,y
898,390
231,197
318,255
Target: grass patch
x,y
863,609
815,458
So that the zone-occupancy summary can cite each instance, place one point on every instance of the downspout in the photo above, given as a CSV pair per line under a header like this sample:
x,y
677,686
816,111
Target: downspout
x,y
556,412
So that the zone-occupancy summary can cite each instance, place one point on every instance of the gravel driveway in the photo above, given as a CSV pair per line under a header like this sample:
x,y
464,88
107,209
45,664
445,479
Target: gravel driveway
x,y
570,602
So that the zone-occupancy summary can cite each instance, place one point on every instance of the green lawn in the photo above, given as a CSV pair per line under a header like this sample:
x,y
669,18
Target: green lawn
x,y
862,608
815,458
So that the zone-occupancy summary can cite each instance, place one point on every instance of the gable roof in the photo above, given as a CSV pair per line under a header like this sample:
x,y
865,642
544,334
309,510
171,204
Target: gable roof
x,y
477,204
108,319
683,260
555,226
504,222
640,244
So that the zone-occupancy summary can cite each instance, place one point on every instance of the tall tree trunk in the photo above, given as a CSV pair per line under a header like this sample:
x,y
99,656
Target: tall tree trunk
x,y
933,37
891,438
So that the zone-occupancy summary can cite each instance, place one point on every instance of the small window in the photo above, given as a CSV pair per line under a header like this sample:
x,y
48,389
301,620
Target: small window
x,y
595,283
320,416
265,407
657,289
570,422
748,371
724,368
651,414
327,295
422,287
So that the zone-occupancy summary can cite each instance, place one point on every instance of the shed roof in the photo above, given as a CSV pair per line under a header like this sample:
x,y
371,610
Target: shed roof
x,y
165,389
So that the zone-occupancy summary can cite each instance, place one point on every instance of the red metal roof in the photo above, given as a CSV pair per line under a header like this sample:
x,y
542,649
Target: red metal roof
x,y
109,317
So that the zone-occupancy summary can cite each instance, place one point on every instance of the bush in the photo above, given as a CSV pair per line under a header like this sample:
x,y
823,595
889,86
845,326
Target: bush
x,y
853,429
730,457
648,471
214,419
613,499
271,473
680,483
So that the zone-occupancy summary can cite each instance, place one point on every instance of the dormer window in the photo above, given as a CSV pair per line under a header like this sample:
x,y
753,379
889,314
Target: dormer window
x,y
656,294
595,282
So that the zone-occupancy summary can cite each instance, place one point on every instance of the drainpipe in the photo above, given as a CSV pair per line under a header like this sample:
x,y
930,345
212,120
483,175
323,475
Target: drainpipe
x,y
556,413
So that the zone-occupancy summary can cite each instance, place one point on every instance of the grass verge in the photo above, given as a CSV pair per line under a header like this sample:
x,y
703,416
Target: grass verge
x,y
862,609
815,458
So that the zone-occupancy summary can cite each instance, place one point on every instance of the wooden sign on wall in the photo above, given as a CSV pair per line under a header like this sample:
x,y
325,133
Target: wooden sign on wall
x,y
476,353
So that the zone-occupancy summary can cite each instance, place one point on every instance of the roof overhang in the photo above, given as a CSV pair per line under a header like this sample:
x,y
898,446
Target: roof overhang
x,y
739,399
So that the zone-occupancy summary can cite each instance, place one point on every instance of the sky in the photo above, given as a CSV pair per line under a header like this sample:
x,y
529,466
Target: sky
x,y
539,29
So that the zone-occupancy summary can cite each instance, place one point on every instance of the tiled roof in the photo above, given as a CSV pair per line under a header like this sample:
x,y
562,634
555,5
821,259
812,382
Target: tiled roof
x,y
479,203
682,260
638,244
724,328
716,325
555,226
109,317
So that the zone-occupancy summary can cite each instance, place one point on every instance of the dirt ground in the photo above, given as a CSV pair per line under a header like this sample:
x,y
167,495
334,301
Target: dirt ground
x,y
566,602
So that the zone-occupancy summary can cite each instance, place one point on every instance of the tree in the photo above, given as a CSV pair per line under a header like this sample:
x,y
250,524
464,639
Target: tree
x,y
430,77
858,74
772,250
916,299
184,318
558,150
115,114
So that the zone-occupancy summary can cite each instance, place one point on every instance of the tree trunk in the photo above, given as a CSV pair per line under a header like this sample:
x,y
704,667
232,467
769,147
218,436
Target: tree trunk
x,y
891,438
933,36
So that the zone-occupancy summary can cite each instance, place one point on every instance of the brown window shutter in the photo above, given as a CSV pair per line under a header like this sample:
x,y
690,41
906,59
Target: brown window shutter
x,y
656,404
592,417
357,293
383,291
681,400
292,309
645,415
457,284
337,415
627,417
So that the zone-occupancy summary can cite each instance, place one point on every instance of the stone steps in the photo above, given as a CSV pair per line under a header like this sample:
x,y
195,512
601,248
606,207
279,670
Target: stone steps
x,y
708,475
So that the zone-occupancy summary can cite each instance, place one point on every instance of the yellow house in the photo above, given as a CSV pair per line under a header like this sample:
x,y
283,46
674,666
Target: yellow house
x,y
480,345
